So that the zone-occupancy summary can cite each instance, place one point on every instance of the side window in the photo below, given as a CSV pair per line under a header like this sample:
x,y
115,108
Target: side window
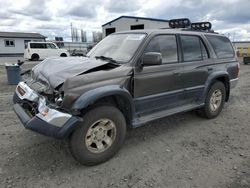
x,y
38,45
53,46
166,45
9,43
193,48
50,45
221,45
32,45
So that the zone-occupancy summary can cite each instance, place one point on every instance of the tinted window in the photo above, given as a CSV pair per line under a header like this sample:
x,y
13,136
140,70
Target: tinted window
x,y
37,45
193,48
166,45
221,45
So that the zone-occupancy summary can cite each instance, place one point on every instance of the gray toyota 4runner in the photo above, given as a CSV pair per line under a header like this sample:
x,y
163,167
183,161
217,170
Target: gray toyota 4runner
x,y
128,79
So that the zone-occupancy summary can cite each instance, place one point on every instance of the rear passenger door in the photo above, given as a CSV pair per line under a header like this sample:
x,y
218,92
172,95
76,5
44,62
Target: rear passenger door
x,y
195,58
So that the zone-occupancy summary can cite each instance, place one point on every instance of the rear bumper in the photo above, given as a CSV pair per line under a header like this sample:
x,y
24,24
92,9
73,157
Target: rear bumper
x,y
233,82
38,125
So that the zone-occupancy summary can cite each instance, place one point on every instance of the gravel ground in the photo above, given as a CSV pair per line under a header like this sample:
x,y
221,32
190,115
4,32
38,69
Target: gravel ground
x,y
183,150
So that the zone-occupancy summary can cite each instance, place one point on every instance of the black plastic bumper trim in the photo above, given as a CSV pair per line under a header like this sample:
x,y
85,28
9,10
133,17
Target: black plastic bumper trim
x,y
38,125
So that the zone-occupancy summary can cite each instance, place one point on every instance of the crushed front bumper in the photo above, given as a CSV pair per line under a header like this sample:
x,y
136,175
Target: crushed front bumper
x,y
58,125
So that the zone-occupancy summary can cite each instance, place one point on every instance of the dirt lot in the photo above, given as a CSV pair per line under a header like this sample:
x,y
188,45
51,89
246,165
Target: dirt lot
x,y
179,151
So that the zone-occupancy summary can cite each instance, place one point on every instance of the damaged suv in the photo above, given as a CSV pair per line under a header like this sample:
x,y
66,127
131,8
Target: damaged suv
x,y
126,80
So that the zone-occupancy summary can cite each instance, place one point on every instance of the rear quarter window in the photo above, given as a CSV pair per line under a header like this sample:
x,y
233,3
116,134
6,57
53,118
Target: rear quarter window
x,y
221,45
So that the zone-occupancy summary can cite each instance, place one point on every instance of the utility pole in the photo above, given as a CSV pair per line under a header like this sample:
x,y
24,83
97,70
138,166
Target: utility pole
x,y
71,31
233,36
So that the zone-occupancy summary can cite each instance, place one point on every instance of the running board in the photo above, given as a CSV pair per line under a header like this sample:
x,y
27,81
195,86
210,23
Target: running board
x,y
138,121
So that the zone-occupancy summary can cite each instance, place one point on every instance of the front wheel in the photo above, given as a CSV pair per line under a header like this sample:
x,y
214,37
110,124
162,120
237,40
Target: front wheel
x,y
100,136
214,101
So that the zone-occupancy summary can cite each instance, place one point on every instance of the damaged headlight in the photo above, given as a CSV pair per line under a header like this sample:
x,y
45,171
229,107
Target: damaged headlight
x,y
50,115
25,92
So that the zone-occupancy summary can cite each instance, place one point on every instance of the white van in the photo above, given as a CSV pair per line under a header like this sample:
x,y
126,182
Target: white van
x,y
41,50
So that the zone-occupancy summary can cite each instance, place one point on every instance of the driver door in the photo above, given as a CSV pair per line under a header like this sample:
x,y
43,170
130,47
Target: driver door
x,y
158,87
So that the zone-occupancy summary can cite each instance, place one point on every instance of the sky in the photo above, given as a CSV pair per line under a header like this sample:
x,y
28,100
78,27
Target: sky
x,y
53,17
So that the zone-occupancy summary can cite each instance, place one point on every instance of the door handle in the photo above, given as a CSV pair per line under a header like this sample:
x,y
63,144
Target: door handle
x,y
177,73
209,68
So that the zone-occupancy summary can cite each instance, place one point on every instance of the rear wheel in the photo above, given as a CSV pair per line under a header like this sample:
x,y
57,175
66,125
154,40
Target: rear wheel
x,y
63,55
214,101
99,137
35,57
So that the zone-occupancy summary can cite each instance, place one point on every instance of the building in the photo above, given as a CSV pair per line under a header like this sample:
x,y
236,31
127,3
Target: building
x,y
124,23
243,47
13,43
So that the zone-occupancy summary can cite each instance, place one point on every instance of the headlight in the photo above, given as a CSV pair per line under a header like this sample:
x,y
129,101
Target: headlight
x,y
50,115
25,92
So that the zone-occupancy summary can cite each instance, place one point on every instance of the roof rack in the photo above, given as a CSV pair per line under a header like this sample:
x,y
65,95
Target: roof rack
x,y
186,25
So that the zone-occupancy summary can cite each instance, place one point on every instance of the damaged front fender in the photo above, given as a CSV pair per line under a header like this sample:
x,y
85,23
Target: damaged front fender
x,y
90,97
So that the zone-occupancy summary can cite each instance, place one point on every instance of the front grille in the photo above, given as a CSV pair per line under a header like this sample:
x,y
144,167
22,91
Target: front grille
x,y
30,107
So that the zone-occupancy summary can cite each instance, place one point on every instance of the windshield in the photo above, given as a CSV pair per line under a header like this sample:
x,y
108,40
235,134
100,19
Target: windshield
x,y
120,47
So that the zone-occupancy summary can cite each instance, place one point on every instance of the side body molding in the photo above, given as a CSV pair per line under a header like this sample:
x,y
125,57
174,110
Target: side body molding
x,y
90,97
213,76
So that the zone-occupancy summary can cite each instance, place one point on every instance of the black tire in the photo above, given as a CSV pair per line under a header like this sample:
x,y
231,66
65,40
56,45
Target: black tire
x,y
35,57
207,111
63,55
78,145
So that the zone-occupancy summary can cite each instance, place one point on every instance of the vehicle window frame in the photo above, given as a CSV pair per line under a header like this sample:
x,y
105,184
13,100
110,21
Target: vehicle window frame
x,y
214,49
201,41
163,34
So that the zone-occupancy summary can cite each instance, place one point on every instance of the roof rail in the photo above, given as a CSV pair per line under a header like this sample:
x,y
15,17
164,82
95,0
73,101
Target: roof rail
x,y
185,24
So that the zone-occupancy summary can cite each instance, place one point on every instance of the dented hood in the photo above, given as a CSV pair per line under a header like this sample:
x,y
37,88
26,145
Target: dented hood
x,y
56,70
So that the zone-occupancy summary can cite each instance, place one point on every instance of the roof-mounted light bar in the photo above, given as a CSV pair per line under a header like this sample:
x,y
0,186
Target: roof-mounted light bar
x,y
206,26
185,23
179,23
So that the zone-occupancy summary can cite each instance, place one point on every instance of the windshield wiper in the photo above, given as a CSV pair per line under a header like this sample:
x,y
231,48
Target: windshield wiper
x,y
110,59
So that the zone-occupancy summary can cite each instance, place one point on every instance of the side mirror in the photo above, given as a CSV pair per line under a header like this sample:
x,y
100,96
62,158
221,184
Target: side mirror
x,y
152,58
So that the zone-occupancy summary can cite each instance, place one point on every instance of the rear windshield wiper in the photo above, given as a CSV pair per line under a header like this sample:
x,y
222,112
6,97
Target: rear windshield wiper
x,y
110,59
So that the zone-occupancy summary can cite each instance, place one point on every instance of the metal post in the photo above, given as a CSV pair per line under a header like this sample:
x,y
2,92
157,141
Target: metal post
x,y
71,31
